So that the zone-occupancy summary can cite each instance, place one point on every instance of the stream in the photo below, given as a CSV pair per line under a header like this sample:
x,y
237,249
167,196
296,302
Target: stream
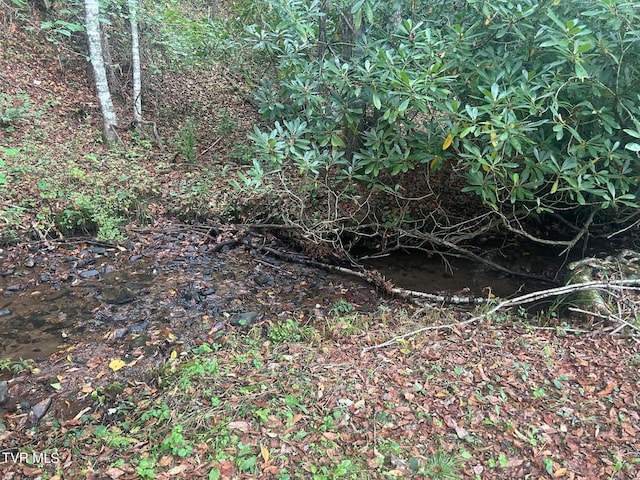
x,y
86,292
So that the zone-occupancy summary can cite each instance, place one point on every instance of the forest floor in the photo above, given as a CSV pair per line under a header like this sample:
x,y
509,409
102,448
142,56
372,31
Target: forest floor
x,y
221,361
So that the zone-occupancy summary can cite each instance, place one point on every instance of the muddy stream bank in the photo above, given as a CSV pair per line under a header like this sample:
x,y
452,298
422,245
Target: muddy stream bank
x,y
76,307
84,291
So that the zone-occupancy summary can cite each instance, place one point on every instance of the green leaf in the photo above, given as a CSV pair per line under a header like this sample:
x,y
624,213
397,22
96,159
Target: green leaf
x,y
633,133
634,147
337,141
368,10
376,101
247,463
495,89
357,6
581,73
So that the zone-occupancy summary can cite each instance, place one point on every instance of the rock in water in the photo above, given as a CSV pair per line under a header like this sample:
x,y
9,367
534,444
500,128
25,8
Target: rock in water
x,y
4,388
89,273
38,411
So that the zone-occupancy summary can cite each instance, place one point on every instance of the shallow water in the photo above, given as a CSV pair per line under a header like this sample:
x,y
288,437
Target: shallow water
x,y
108,294
114,298
446,274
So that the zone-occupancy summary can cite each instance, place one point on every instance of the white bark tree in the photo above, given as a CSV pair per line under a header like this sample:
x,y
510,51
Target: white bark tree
x,y
135,56
92,20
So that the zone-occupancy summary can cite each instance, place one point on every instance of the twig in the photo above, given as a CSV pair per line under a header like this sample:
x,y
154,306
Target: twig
x,y
608,317
521,300
622,230
206,150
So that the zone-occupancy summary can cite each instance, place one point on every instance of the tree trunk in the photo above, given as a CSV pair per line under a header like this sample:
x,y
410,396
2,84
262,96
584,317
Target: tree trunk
x,y
92,11
349,37
135,56
322,29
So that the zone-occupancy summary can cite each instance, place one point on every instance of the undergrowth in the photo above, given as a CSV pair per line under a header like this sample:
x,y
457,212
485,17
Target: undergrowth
x,y
64,188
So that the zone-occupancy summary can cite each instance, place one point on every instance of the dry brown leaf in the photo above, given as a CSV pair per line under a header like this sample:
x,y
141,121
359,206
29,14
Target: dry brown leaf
x,y
264,452
608,389
178,469
559,473
240,425
460,431
114,472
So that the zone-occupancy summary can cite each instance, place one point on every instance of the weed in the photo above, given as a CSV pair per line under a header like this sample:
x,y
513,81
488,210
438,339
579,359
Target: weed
x,y
17,366
620,464
186,143
246,458
291,331
3,176
161,413
342,307
539,392
442,466
242,153
113,436
145,468
225,123
13,108
176,444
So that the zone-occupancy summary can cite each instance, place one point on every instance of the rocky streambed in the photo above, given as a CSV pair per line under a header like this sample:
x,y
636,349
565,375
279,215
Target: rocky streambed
x,y
76,308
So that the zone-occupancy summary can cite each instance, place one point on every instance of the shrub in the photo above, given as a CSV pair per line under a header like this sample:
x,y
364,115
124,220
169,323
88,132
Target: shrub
x,y
531,106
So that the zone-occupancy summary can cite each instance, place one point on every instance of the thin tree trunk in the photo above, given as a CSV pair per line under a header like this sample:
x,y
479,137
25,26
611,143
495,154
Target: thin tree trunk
x,y
115,86
349,36
92,11
322,29
135,56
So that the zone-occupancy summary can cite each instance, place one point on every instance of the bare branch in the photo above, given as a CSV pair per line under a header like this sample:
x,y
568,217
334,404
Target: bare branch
x,y
521,300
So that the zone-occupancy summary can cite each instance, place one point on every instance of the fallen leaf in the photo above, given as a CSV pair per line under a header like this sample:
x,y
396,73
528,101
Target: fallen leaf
x,y
116,364
178,469
608,389
396,473
239,425
227,468
114,472
461,432
561,472
264,452
483,375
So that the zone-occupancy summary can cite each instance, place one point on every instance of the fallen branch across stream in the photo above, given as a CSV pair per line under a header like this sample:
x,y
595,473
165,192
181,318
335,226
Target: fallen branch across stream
x,y
375,278
521,300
